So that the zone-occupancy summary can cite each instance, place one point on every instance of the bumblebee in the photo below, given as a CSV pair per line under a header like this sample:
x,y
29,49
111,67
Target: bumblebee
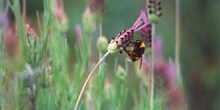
x,y
136,51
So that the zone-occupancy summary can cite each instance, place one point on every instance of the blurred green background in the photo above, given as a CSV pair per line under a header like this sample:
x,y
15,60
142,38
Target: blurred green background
x,y
200,40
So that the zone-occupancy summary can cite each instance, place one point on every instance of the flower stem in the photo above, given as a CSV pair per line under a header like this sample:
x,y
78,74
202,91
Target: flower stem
x,y
100,34
24,11
87,80
152,70
177,42
100,27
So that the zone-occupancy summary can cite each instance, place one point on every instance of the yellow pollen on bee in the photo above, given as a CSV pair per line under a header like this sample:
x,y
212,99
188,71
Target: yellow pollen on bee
x,y
142,45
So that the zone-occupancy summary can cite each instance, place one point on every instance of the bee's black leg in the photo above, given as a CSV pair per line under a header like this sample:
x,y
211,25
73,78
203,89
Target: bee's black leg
x,y
124,48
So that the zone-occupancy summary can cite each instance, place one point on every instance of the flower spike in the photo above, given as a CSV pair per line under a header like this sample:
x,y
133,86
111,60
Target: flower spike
x,y
141,22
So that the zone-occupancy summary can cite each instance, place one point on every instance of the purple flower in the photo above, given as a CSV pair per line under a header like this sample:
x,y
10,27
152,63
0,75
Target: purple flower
x,y
176,98
11,42
146,35
60,15
158,47
96,5
167,70
141,22
170,72
145,64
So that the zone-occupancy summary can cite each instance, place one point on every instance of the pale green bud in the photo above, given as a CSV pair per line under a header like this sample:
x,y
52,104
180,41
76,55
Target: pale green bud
x,y
121,73
89,22
102,43
153,18
112,47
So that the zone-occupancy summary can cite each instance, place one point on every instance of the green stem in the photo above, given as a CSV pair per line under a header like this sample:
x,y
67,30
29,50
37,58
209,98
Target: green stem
x,y
100,56
100,27
24,11
152,70
87,80
177,35
100,34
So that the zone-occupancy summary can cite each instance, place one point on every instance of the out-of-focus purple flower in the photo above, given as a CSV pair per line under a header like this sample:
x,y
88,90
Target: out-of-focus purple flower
x,y
165,76
146,35
167,70
3,19
175,98
96,6
145,64
10,42
158,47
78,34
160,66
10,37
60,15
170,72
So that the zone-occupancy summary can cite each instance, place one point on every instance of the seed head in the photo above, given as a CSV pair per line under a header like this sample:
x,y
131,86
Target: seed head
x,y
154,10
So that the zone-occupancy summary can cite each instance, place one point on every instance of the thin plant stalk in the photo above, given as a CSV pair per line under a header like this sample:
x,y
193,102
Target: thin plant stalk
x,y
100,27
177,35
152,70
24,11
87,80
100,34
100,56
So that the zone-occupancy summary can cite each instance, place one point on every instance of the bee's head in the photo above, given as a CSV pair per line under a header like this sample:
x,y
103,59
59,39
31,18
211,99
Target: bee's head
x,y
138,43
